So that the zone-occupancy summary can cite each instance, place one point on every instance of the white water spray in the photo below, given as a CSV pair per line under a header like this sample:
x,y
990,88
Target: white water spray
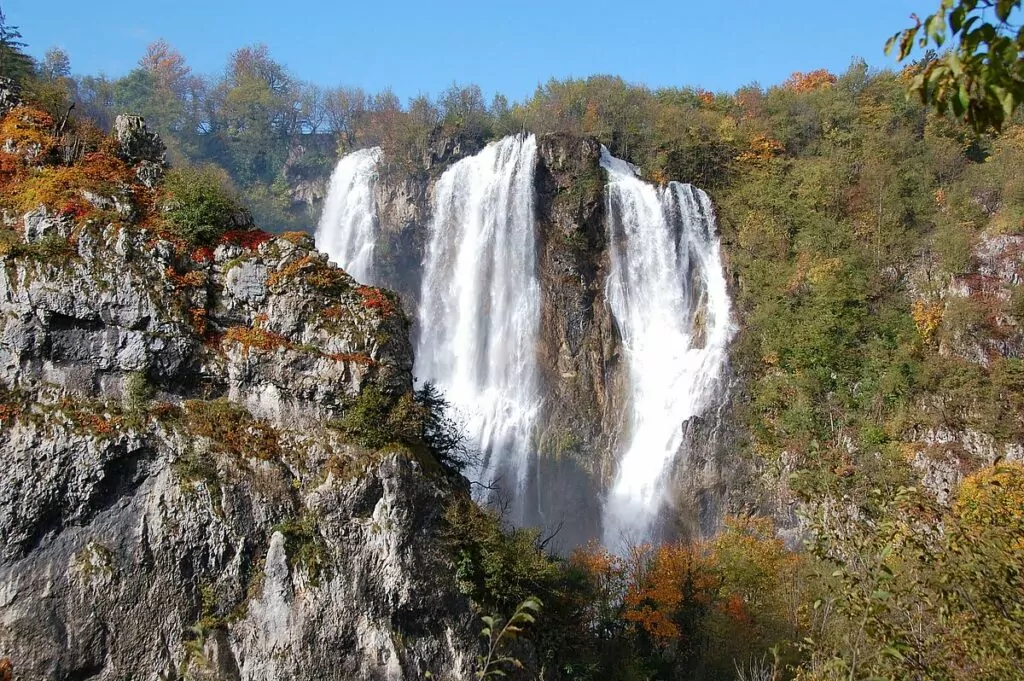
x,y
668,296
479,311
348,226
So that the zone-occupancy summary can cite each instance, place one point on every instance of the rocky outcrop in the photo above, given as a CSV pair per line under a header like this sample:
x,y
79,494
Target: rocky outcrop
x,y
8,95
184,495
141,148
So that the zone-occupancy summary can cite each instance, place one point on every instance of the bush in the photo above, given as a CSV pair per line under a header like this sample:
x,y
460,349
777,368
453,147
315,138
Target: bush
x,y
954,246
137,391
926,591
200,204
417,420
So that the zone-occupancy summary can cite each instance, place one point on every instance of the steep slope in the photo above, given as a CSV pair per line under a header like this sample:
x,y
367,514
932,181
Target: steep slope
x,y
214,464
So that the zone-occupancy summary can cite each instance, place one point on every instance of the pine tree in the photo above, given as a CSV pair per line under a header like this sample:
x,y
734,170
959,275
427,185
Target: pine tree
x,y
14,63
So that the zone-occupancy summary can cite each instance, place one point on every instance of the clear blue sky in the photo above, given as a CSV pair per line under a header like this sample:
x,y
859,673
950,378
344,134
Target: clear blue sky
x,y
510,47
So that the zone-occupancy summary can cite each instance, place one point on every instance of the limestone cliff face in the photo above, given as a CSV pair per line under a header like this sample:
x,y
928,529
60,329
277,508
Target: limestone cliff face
x,y
179,498
945,453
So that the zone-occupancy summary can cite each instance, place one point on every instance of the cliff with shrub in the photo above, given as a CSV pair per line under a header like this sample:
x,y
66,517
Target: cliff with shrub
x,y
216,466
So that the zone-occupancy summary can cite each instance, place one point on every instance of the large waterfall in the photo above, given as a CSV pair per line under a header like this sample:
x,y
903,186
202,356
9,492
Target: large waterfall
x,y
668,296
478,321
479,311
348,225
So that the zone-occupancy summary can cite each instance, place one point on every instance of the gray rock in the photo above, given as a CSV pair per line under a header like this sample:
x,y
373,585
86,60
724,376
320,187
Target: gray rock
x,y
136,547
137,143
9,95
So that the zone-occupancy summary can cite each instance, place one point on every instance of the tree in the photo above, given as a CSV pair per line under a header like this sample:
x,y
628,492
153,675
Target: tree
x,y
259,110
464,107
14,63
313,108
982,77
56,64
167,66
345,109
52,88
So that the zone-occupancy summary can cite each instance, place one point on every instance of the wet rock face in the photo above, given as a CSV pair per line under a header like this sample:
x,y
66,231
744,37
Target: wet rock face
x,y
579,348
178,499
583,376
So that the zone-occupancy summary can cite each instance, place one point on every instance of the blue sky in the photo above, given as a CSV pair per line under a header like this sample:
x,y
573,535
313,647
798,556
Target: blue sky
x,y
422,47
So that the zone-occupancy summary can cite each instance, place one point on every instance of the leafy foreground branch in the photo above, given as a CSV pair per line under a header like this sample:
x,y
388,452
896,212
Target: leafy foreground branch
x,y
982,78
500,635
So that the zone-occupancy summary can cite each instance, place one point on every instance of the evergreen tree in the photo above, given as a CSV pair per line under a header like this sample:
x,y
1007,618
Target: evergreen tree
x,y
14,63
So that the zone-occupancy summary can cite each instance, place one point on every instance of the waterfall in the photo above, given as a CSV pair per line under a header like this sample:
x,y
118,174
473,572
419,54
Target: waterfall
x,y
348,225
479,311
668,297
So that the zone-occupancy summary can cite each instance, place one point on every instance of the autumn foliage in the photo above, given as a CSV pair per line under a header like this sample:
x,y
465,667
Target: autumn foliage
x,y
255,337
818,79
699,603
374,299
89,185
762,149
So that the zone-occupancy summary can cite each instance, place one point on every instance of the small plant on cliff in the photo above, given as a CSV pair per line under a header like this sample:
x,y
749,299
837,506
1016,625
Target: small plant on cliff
x,y
137,391
231,429
200,204
304,545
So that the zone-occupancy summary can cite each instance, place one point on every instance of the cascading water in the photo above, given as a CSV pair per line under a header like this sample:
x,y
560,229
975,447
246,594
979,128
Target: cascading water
x,y
668,296
348,225
479,311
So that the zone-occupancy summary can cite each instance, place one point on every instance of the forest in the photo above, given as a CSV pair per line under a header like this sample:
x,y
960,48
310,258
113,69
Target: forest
x,y
867,239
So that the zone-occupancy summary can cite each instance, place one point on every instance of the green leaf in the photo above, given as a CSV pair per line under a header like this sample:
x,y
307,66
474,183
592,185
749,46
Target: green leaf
x,y
964,97
1004,7
956,19
891,42
893,652
935,28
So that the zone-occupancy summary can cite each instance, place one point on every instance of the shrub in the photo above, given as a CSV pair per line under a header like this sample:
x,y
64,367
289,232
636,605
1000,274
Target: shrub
x,y
954,246
231,429
925,591
304,546
200,204
137,391
418,420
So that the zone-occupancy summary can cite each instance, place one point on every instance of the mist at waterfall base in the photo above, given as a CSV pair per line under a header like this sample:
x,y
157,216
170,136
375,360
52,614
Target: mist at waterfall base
x,y
477,324
669,300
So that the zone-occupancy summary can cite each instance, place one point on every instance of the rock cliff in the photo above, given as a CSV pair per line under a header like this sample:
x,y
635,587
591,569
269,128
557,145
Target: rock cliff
x,y
190,489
